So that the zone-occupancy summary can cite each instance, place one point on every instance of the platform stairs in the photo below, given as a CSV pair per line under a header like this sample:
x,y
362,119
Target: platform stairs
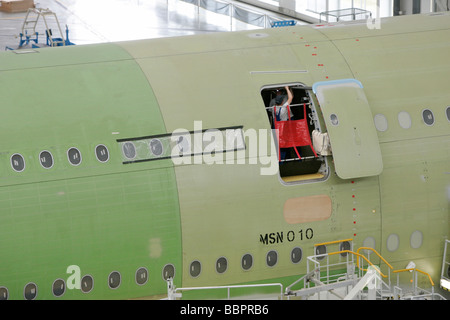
x,y
343,274
334,271
340,274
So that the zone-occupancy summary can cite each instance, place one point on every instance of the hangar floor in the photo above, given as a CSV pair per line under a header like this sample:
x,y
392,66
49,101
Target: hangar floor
x,y
94,21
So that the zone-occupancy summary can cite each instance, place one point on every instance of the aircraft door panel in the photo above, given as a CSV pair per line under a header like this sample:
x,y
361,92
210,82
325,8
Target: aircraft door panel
x,y
349,122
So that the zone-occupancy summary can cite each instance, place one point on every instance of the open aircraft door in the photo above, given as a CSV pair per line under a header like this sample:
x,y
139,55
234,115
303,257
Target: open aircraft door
x,y
350,126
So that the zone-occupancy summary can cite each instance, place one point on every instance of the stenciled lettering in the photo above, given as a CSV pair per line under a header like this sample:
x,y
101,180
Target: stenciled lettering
x,y
290,236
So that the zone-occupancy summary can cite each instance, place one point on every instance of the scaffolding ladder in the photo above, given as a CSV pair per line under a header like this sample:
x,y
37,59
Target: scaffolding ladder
x,y
31,21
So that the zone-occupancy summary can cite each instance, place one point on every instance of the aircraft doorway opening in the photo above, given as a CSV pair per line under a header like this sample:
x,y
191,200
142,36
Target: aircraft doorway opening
x,y
298,159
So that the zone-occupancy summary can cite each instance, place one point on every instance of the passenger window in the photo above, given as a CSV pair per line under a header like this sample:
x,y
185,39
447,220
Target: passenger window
x,y
294,126
46,159
59,287
18,162
101,152
404,119
74,156
428,117
448,113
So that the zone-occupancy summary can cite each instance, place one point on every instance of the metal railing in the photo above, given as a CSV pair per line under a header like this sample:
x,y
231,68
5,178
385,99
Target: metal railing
x,y
174,293
355,274
416,291
445,270
379,256
338,15
236,12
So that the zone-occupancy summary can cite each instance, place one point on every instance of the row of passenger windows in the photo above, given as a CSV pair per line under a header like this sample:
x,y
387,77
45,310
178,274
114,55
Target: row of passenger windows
x,y
102,154
221,265
195,268
46,158
416,241
405,121
141,277
30,291
393,240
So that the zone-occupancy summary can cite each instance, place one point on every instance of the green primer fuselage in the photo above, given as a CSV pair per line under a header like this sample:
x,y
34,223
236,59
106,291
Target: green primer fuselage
x,y
120,216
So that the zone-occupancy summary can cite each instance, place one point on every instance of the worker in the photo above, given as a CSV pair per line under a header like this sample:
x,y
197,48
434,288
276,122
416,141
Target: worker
x,y
283,108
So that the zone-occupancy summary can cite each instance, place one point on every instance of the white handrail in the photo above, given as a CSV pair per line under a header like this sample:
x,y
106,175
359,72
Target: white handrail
x,y
173,292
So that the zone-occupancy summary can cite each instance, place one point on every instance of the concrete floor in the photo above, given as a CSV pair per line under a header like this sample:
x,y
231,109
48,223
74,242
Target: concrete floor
x,y
94,21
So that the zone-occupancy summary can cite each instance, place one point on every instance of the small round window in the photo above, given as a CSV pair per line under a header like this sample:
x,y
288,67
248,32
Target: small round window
x,y
168,271
447,112
46,159
320,250
221,265
129,150
74,156
101,152
344,246
87,284
416,239
195,268
393,242
404,119
381,122
247,261
296,255
141,276
30,291
334,119
271,258
59,287
114,280
428,117
156,147
4,294
17,162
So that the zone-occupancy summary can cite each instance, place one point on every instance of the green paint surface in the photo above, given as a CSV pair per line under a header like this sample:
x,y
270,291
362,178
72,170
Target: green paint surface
x,y
100,216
